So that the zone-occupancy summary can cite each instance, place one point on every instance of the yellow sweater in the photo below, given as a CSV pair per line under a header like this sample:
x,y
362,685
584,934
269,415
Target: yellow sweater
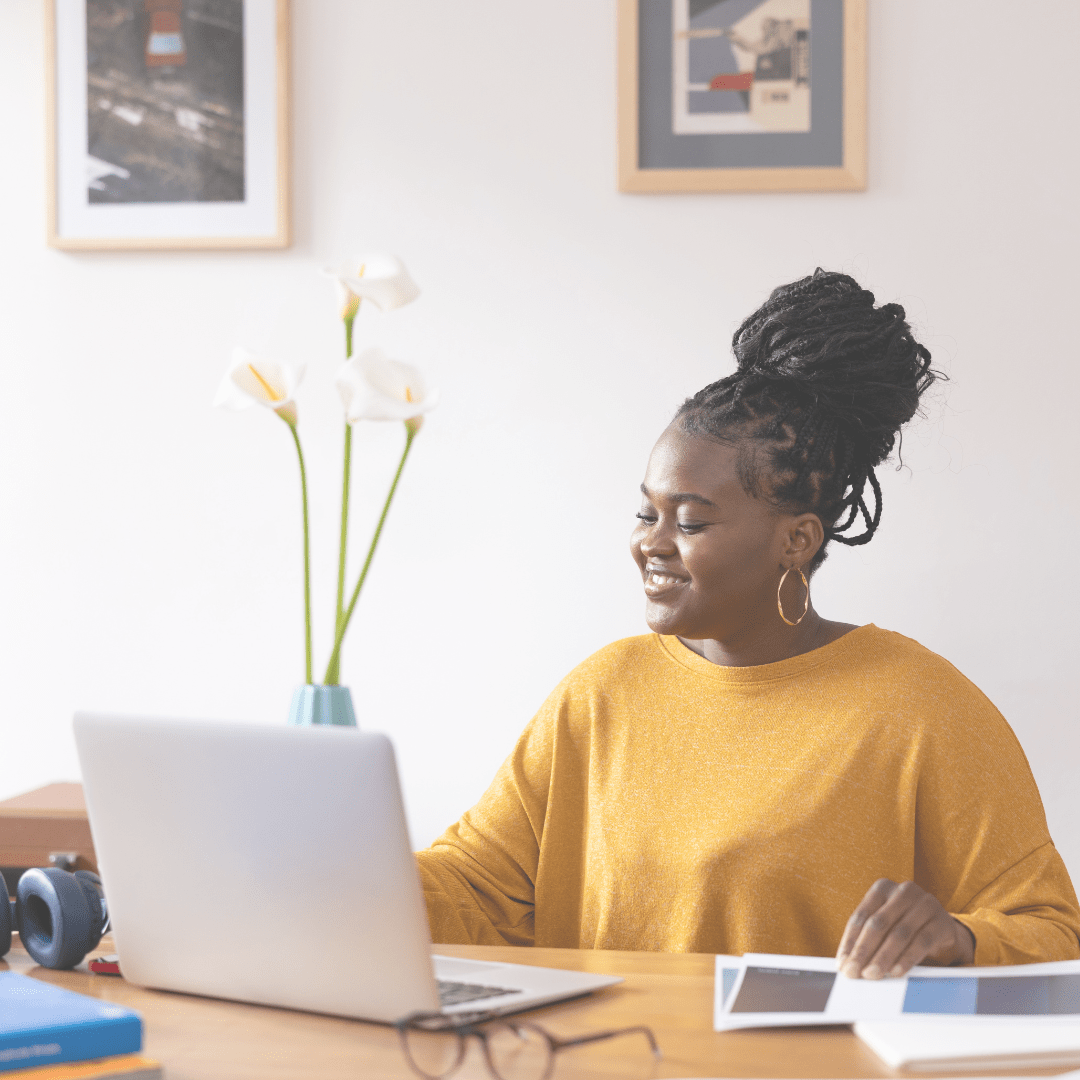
x,y
658,801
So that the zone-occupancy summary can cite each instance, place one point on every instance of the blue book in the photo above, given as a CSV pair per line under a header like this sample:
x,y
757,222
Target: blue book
x,y
42,1024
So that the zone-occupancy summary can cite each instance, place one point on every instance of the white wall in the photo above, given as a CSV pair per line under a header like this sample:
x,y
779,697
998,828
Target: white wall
x,y
150,546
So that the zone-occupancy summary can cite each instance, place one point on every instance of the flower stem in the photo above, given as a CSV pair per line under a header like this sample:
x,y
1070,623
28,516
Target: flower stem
x,y
307,558
333,672
346,473
335,657
348,335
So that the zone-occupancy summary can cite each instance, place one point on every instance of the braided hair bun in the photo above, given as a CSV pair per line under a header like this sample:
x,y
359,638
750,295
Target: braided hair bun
x,y
825,381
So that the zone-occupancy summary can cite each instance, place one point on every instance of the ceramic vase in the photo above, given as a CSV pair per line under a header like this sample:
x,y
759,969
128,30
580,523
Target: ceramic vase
x,y
313,705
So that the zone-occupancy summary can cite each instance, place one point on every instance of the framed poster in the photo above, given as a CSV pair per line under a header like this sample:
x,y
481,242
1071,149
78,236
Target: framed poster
x,y
168,124
742,95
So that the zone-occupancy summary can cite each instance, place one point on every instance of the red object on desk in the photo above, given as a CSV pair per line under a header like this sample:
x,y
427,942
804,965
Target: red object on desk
x,y
105,965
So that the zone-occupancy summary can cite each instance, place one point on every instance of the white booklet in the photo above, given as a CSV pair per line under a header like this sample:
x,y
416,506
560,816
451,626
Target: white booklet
x,y
764,990
957,1044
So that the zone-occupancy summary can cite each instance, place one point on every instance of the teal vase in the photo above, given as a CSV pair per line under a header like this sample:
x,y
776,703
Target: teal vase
x,y
316,705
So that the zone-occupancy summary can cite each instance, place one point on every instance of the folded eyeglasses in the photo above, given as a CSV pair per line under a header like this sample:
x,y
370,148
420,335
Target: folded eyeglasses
x,y
434,1044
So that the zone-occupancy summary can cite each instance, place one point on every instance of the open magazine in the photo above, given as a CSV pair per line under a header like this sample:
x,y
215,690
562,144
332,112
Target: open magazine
x,y
764,990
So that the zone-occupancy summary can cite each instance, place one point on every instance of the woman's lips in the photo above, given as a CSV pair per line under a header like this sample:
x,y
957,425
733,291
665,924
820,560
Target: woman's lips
x,y
658,584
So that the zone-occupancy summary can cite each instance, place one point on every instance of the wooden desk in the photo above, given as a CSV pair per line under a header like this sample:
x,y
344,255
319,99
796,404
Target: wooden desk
x,y
202,1039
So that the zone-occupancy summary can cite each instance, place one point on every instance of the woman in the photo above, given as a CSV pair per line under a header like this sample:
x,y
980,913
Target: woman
x,y
752,777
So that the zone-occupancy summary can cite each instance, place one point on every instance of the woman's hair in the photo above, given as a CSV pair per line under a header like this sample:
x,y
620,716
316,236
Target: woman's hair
x,y
824,383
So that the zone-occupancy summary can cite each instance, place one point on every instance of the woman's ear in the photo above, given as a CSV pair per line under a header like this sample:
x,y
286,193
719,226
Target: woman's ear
x,y
803,536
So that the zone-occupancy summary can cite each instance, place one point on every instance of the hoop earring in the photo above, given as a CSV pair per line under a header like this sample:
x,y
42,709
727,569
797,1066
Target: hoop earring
x,y
780,606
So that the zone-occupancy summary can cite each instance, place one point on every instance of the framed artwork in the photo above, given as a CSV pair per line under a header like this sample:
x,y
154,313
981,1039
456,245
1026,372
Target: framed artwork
x,y
168,124
742,95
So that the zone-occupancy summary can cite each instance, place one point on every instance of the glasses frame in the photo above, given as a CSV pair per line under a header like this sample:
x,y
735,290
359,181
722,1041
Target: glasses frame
x,y
464,1025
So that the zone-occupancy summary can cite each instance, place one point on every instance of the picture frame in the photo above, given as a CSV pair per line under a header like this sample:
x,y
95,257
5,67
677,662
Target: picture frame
x,y
167,124
742,95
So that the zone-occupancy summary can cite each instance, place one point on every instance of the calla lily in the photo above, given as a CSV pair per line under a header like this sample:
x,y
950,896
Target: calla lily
x,y
374,387
251,380
374,276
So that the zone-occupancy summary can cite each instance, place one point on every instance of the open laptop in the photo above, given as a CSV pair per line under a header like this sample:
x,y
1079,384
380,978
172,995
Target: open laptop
x,y
272,865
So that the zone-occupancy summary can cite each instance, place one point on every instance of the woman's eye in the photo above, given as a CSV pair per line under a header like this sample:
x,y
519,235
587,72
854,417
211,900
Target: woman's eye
x,y
688,527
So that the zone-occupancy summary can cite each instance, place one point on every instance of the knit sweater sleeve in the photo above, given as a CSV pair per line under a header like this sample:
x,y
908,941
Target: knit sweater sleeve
x,y
479,876
1027,914
983,845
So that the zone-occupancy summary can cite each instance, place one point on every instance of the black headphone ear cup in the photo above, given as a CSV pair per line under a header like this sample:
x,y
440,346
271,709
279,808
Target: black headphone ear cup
x,y
95,897
5,923
56,922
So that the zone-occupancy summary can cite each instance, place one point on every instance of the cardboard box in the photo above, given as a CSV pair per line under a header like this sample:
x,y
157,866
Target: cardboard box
x,y
51,820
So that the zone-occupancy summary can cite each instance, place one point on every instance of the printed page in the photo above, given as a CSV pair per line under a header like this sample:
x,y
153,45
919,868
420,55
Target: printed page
x,y
785,991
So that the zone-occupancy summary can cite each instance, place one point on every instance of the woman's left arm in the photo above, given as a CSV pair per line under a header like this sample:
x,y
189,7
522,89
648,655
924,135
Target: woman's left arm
x,y
988,887
1026,915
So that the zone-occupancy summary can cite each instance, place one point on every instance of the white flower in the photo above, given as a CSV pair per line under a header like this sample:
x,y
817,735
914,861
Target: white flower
x,y
374,387
377,277
251,380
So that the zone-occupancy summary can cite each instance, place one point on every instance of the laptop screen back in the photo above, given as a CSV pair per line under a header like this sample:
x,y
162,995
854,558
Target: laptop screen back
x,y
263,864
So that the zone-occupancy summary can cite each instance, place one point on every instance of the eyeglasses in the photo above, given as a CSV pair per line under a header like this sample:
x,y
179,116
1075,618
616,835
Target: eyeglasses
x,y
434,1044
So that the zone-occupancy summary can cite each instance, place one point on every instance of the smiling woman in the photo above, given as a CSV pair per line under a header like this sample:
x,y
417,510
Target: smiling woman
x,y
752,780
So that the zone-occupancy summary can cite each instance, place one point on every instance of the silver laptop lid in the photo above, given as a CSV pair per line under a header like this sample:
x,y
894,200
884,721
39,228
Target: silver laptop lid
x,y
263,864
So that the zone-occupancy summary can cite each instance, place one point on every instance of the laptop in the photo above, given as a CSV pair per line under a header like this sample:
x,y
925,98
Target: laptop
x,y
272,865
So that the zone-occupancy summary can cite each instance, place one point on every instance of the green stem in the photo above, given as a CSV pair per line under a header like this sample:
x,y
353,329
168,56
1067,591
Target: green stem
x,y
333,666
333,672
348,335
346,473
307,557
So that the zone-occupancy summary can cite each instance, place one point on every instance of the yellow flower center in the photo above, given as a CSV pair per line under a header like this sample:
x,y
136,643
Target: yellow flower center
x,y
271,393
408,394
352,301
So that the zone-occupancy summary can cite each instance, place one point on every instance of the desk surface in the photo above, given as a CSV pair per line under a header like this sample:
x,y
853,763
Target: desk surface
x,y
199,1038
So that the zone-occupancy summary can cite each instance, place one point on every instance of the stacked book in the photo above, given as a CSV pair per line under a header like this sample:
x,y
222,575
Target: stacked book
x,y
48,1033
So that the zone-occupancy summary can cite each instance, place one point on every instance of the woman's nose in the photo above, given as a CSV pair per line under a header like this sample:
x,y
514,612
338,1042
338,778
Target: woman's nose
x,y
658,539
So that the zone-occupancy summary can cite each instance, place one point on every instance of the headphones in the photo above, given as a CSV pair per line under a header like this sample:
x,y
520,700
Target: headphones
x,y
60,916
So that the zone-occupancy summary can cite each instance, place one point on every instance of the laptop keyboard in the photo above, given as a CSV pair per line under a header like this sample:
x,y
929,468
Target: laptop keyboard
x,y
457,993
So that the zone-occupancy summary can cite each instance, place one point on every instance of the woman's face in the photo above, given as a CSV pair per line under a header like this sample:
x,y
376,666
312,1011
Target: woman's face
x,y
710,555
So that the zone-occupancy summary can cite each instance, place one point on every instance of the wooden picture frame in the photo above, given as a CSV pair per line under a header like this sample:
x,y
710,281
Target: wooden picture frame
x,y
167,124
663,146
